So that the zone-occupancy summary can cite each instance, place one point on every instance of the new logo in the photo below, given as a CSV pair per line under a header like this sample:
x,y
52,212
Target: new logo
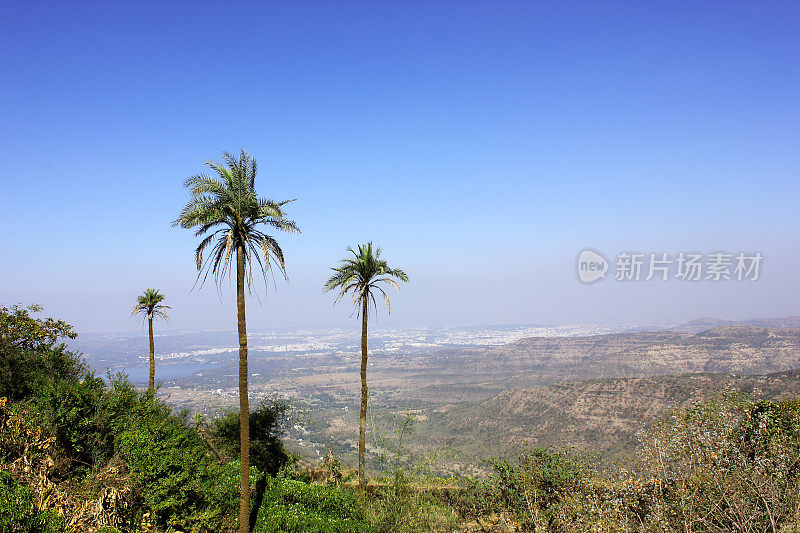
x,y
591,266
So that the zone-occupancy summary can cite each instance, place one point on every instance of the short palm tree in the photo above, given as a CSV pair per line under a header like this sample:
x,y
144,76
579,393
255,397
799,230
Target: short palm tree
x,y
226,210
149,305
360,276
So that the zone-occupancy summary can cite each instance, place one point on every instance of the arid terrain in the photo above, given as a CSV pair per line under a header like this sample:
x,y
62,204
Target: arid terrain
x,y
592,392
599,415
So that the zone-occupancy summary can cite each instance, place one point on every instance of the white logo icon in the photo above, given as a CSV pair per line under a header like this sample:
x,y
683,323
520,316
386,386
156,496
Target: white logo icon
x,y
591,266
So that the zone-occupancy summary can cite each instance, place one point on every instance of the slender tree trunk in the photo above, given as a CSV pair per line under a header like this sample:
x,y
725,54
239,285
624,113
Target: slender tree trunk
x,y
211,446
244,403
362,417
152,386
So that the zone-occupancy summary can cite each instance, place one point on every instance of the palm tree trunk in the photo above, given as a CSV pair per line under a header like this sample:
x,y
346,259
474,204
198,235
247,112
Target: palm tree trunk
x,y
362,417
152,385
244,403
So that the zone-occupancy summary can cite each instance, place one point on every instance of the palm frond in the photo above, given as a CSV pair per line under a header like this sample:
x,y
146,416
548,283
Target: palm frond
x,y
228,206
360,275
201,184
149,304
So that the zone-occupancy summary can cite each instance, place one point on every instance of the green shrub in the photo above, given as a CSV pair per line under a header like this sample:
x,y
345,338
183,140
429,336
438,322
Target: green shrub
x,y
294,506
31,352
533,488
122,402
267,423
725,465
71,412
17,513
772,423
477,497
182,485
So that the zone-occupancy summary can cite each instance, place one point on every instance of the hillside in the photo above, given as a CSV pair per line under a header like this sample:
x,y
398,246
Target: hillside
x,y
600,416
701,324
465,398
730,348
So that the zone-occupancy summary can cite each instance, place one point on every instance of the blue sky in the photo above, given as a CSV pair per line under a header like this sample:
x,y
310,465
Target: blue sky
x,y
483,145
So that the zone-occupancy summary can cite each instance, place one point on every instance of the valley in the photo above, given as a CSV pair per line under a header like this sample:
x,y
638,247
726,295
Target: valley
x,y
471,393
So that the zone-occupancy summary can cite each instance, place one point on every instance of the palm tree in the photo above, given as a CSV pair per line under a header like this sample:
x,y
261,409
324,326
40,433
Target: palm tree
x,y
360,276
226,210
149,305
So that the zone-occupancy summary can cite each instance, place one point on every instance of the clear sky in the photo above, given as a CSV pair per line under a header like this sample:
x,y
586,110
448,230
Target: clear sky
x,y
482,144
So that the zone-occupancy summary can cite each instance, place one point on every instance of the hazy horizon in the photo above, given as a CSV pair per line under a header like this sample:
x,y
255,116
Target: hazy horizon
x,y
385,324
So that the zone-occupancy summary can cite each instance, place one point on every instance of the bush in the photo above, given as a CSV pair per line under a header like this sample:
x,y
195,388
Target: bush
x,y
294,506
539,479
730,464
725,465
267,423
531,490
772,423
122,402
64,412
18,514
71,412
182,485
478,497
32,352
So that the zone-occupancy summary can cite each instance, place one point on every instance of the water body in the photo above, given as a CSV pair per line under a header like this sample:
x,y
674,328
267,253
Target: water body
x,y
139,374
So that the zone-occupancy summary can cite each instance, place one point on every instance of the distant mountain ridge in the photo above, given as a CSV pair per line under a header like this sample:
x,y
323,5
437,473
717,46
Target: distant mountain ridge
x,y
701,324
727,349
596,392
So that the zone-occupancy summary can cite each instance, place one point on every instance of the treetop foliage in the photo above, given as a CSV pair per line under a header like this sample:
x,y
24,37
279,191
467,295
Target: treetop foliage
x,y
21,330
361,275
227,210
33,351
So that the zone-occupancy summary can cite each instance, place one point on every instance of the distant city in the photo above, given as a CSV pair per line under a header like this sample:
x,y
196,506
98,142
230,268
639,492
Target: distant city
x,y
184,353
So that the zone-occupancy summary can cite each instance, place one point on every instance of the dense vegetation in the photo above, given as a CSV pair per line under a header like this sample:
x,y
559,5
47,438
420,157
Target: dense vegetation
x,y
78,452
81,453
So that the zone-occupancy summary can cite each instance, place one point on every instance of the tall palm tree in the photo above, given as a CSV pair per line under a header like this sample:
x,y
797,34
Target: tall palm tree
x,y
226,210
360,277
149,305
